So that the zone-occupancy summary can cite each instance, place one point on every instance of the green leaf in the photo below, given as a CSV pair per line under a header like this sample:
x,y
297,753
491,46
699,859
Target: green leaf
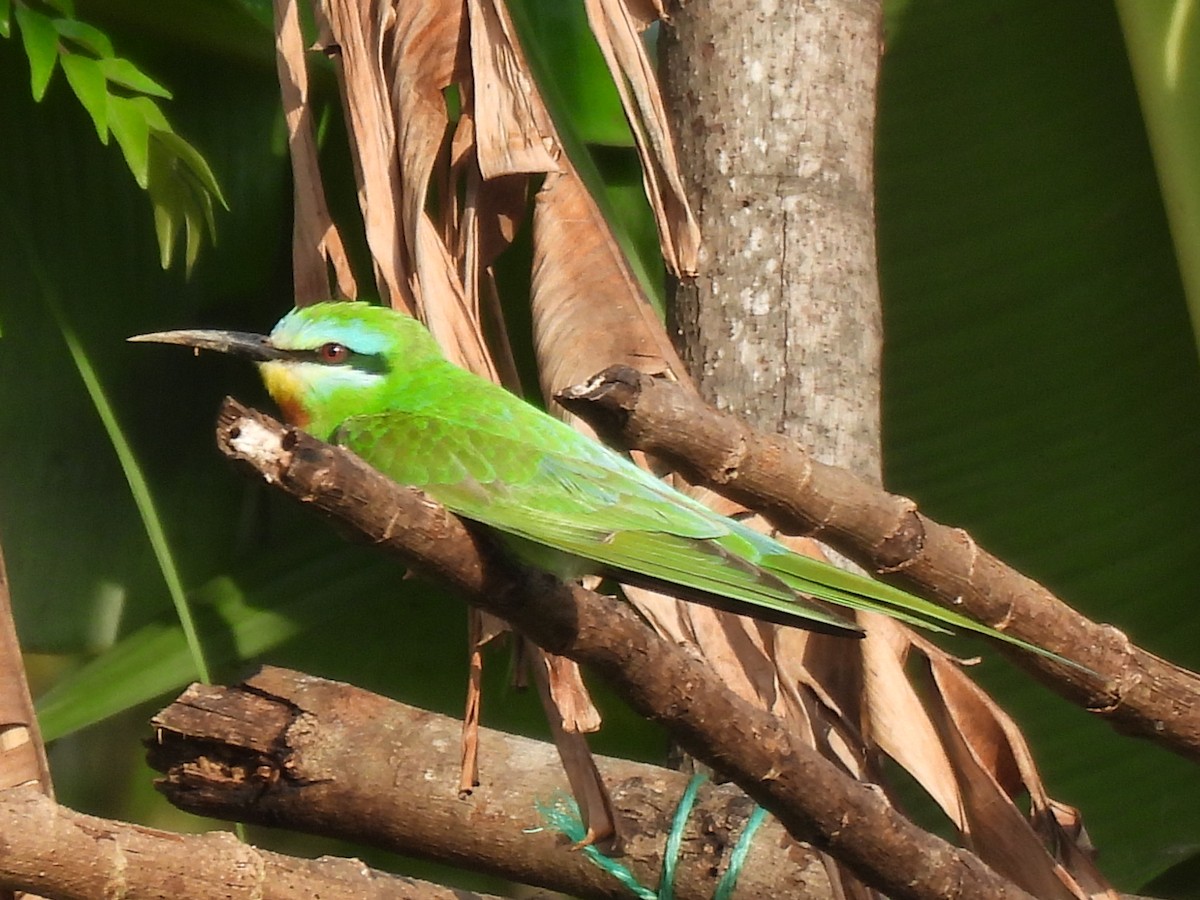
x,y
196,164
41,46
560,48
154,117
1162,40
5,24
166,226
240,616
138,488
170,196
86,36
127,75
89,85
193,215
1181,881
128,123
132,120
180,196
261,10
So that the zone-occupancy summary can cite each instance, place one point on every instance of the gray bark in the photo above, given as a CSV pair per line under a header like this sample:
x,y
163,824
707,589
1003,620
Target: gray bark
x,y
774,105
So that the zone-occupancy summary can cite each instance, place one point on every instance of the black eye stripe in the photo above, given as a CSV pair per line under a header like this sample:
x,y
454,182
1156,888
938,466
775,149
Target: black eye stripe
x,y
368,362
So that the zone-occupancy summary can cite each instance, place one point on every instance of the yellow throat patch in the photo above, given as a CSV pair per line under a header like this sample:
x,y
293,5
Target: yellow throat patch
x,y
285,389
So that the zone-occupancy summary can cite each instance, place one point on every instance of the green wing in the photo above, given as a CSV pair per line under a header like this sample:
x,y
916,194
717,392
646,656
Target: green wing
x,y
527,474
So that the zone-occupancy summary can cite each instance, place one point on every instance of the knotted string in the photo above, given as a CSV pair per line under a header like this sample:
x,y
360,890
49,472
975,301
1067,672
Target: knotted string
x,y
562,815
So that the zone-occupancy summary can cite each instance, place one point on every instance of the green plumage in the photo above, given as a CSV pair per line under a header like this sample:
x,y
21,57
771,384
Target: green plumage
x,y
374,381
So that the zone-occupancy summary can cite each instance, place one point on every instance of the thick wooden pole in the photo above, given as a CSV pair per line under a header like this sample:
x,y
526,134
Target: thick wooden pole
x,y
774,105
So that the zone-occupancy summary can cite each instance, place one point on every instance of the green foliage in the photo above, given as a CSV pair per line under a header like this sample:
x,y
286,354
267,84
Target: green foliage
x,y
256,607
117,95
571,69
1161,40
138,489
1040,375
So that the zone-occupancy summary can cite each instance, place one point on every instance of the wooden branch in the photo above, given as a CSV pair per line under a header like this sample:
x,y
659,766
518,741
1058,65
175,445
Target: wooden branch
x,y
22,754
290,750
66,855
810,795
1140,694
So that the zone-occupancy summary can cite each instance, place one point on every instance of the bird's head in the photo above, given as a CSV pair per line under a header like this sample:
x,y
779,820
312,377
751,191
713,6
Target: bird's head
x,y
325,362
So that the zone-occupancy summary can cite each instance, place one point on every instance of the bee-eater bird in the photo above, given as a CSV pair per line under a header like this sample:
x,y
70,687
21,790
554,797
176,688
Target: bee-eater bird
x,y
374,381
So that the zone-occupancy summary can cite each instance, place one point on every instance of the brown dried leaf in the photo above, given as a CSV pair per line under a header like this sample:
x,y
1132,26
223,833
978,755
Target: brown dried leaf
x,y
491,212
570,694
316,242
899,723
647,12
427,53
617,27
587,785
477,636
446,308
514,130
588,309
994,766
356,36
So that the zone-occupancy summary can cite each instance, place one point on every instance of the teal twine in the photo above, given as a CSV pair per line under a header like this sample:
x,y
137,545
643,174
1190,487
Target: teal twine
x,y
666,884
728,882
562,814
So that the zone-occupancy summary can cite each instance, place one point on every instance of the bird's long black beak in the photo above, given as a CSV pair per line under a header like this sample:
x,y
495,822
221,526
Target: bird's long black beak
x,y
256,347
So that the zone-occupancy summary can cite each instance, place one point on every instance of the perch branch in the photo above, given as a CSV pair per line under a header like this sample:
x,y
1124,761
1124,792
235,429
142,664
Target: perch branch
x,y
277,750
1140,694
69,856
812,798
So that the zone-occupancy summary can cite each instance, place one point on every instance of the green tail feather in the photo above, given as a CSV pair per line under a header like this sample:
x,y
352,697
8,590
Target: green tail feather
x,y
857,592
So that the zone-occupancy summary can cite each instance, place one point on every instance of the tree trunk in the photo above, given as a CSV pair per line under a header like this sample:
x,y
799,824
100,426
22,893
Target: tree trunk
x,y
774,107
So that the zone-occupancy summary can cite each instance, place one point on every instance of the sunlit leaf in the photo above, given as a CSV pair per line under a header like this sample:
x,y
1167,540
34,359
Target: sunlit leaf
x,y
88,83
129,127
127,75
5,23
85,35
41,46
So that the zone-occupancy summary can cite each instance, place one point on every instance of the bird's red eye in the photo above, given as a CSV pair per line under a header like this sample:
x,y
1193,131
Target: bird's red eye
x,y
333,353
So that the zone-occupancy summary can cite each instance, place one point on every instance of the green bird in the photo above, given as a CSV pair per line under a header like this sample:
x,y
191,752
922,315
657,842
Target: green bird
x,y
374,381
